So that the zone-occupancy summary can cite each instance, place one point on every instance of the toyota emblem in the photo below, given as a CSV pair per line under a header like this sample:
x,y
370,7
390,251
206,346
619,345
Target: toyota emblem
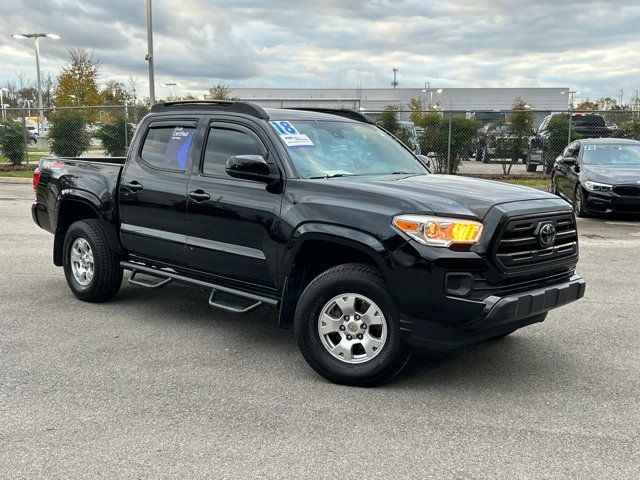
x,y
546,234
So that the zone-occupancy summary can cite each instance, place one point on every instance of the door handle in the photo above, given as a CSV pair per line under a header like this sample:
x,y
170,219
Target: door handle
x,y
199,196
134,186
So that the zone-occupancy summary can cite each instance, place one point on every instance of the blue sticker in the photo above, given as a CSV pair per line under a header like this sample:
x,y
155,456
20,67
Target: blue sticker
x,y
178,147
590,147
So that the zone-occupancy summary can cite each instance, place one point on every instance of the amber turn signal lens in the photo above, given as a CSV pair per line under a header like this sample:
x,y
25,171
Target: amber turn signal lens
x,y
439,231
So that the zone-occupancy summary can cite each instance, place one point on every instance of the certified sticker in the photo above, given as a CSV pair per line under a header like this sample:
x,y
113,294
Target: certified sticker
x,y
291,137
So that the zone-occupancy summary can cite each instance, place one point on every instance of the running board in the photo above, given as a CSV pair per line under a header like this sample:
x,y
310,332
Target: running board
x,y
167,277
146,283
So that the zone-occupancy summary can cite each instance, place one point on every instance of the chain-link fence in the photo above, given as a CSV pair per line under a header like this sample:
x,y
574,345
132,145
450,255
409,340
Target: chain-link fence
x,y
512,143
26,134
521,142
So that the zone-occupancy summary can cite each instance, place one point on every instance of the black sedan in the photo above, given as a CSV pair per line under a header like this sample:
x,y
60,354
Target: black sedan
x,y
599,175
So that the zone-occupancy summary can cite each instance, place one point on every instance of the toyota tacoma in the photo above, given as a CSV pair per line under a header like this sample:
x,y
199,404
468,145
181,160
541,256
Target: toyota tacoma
x,y
322,216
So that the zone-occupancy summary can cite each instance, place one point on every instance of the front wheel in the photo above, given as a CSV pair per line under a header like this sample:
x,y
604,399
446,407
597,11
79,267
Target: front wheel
x,y
347,327
579,203
554,185
91,267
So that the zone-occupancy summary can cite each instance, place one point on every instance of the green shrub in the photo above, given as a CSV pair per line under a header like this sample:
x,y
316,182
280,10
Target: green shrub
x,y
67,133
388,120
113,138
13,142
435,140
558,139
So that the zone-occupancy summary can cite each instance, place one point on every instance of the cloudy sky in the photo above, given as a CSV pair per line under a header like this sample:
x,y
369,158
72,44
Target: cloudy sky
x,y
592,46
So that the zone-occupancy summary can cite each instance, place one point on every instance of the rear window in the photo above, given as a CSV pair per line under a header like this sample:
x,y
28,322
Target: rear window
x,y
167,147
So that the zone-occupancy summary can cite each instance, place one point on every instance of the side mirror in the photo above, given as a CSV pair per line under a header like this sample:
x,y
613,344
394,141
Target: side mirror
x,y
426,161
570,160
252,167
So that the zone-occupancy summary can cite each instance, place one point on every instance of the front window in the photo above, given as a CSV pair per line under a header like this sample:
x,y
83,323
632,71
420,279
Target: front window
x,y
611,154
334,148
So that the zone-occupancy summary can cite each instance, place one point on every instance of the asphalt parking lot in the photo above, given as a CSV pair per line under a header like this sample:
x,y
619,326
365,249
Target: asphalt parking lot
x,y
155,384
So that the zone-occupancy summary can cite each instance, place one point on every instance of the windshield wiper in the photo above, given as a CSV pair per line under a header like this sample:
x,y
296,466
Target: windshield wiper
x,y
334,175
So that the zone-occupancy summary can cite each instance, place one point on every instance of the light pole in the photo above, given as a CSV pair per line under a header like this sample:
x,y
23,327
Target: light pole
x,y
149,56
2,92
427,88
570,93
36,37
170,85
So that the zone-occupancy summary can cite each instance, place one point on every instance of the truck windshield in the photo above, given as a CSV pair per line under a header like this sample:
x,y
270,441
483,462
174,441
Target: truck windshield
x,y
611,155
321,149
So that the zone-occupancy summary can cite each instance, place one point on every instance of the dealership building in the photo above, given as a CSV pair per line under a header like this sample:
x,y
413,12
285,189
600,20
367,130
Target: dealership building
x,y
541,100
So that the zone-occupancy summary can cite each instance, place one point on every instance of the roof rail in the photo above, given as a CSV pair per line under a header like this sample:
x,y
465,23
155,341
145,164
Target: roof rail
x,y
341,112
226,105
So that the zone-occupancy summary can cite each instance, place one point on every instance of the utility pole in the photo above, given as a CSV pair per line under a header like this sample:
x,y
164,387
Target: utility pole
x,y
149,56
621,92
394,84
170,85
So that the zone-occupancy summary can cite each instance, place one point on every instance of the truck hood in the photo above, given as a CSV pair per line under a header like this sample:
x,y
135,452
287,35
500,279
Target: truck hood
x,y
627,175
444,194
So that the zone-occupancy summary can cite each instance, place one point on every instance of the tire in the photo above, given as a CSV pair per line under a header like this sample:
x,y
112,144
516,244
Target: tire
x,y
554,185
531,168
100,260
485,156
579,203
341,284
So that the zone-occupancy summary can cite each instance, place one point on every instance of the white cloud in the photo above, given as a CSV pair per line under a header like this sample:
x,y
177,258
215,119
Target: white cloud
x,y
588,45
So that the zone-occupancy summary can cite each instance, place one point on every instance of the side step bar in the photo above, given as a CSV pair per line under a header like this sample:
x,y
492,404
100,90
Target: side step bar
x,y
168,277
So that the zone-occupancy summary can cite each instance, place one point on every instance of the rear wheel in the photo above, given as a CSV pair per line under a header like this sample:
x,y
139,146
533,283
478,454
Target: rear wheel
x,y
531,168
91,267
347,327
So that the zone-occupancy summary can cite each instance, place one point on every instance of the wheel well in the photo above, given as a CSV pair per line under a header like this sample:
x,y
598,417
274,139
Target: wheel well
x,y
313,258
70,211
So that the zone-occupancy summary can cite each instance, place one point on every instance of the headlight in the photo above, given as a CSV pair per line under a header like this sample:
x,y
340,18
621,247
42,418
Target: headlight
x,y
439,231
597,187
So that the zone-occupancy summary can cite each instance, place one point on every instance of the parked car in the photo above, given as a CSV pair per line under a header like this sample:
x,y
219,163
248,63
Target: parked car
x,y
543,146
495,140
322,216
599,175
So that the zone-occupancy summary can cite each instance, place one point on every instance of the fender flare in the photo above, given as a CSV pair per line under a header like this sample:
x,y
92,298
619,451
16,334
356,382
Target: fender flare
x,y
92,202
349,237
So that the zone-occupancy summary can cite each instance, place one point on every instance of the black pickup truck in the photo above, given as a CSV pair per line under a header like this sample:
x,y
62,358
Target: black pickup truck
x,y
321,215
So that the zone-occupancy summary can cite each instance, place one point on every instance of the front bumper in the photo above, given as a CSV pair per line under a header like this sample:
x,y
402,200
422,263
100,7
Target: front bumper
x,y
500,315
611,202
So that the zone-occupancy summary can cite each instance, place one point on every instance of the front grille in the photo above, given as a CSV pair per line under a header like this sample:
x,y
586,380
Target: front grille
x,y
627,190
520,246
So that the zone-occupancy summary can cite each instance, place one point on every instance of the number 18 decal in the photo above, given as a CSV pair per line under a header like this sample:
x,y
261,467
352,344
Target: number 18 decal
x,y
284,128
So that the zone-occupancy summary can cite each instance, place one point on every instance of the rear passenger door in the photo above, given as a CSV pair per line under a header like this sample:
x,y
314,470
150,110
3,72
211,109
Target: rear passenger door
x,y
232,222
153,191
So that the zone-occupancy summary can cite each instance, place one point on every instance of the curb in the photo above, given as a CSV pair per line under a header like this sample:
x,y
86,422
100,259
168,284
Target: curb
x,y
15,180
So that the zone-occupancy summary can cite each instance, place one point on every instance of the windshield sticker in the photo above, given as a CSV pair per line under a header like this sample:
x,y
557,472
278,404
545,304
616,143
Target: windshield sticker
x,y
291,137
590,147
178,147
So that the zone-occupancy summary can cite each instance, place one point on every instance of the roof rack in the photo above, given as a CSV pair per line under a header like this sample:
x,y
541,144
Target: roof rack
x,y
341,112
245,108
